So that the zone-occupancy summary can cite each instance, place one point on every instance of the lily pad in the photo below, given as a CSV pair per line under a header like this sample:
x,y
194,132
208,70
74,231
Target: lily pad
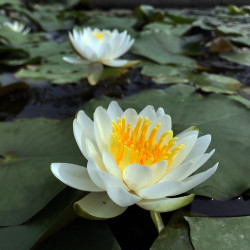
x,y
213,114
162,48
219,233
215,83
176,30
27,149
240,57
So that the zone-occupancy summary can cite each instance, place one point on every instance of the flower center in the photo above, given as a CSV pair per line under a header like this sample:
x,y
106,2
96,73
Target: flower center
x,y
136,145
98,35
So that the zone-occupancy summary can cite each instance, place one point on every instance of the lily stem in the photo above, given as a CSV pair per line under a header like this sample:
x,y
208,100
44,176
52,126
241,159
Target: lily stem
x,y
156,217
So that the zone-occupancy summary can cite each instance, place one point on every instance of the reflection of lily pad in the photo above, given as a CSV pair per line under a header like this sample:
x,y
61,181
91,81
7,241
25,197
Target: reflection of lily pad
x,y
28,148
227,122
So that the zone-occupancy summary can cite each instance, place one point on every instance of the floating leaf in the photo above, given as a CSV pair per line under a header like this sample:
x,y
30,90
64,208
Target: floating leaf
x,y
219,233
28,147
215,83
213,114
162,48
240,57
175,30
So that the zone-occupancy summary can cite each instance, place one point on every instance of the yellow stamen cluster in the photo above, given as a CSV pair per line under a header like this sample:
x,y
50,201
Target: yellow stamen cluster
x,y
98,35
136,145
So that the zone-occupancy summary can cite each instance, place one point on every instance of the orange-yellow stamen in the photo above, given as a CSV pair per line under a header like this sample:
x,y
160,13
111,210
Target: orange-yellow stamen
x,y
138,145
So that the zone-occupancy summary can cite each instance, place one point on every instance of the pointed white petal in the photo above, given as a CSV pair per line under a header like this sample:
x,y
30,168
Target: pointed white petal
x,y
97,206
131,117
137,176
111,165
187,168
74,176
122,197
167,204
93,152
166,125
102,179
102,128
188,143
160,112
78,134
148,111
86,124
75,60
172,188
200,147
114,110
119,63
158,169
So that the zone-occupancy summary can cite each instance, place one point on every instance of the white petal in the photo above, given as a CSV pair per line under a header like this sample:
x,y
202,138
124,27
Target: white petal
x,y
187,168
160,112
102,128
86,124
78,134
111,165
167,204
119,63
188,143
122,197
74,176
200,147
131,117
97,206
93,152
114,110
103,179
187,132
137,176
75,60
148,111
166,125
172,188
158,169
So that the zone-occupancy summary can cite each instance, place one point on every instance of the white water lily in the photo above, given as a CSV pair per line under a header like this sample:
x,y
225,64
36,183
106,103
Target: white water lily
x,y
134,159
17,27
99,47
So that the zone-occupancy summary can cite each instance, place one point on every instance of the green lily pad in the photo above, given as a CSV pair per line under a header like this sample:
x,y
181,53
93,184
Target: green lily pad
x,y
52,218
245,40
27,149
12,37
219,233
213,114
215,83
175,30
202,233
240,57
162,48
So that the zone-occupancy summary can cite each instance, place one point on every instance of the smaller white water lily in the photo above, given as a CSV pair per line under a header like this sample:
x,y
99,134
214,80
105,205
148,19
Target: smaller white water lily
x,y
134,159
99,47
17,27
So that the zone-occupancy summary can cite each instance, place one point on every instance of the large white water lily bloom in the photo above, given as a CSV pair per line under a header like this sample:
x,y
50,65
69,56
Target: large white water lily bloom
x,y
134,159
17,27
99,47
